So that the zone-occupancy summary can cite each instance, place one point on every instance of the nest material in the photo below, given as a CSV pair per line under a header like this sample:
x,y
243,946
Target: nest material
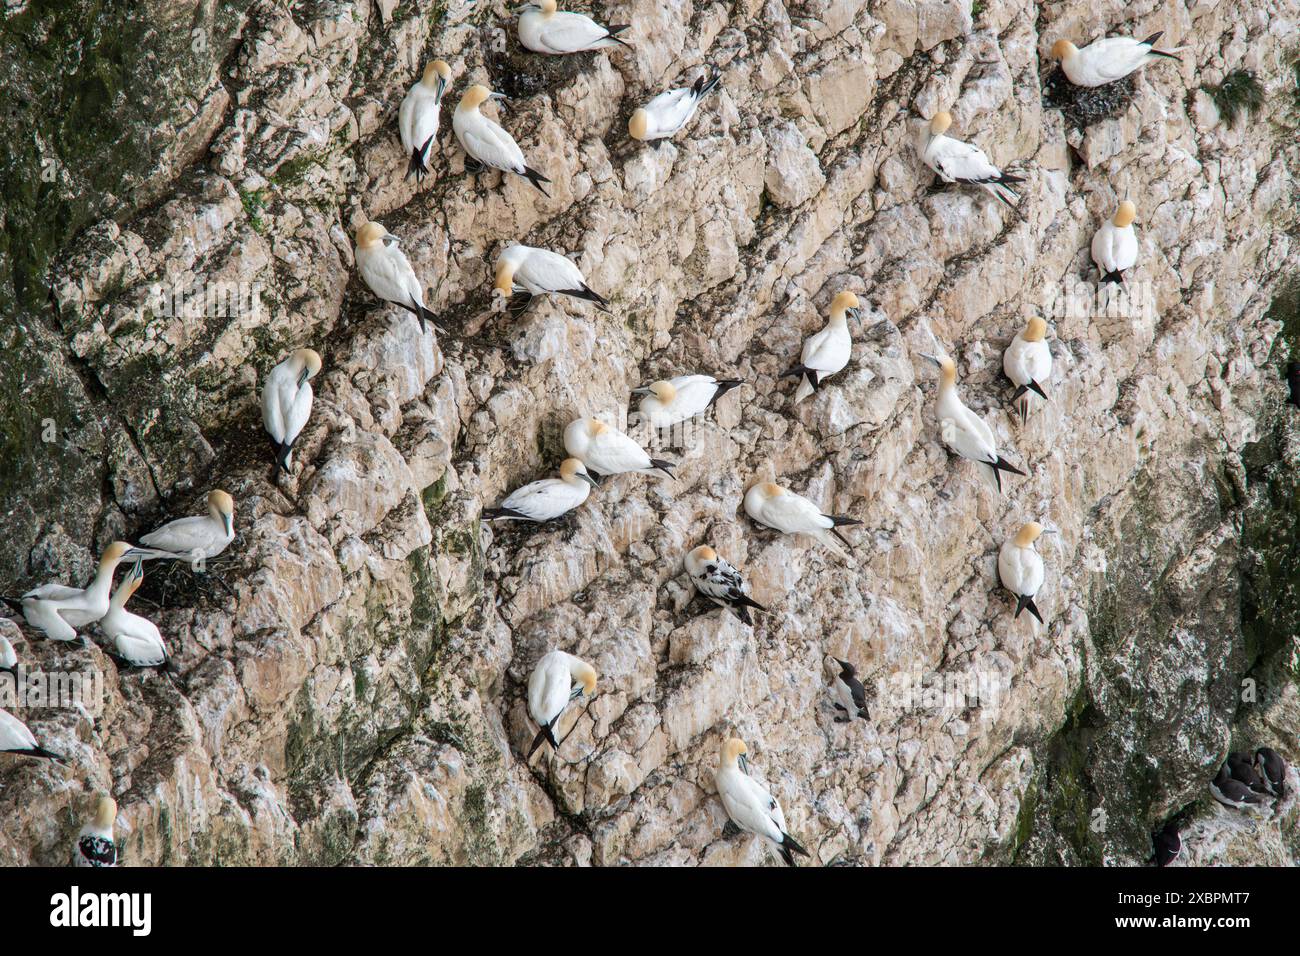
x,y
1085,105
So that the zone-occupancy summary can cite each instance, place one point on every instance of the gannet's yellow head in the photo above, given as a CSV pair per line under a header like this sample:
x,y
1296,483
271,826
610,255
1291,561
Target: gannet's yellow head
x,y
1063,50
1036,329
474,97
639,125
434,71
770,489
221,503
309,359
547,6
1126,214
663,391
505,278
105,813
596,427
572,468
704,553
586,675
947,370
1029,533
939,125
843,302
113,554
732,750
370,235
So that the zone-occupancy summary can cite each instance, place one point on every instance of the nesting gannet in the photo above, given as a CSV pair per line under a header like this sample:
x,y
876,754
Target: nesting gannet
x,y
770,504
286,403
607,451
749,805
825,352
851,696
387,272
419,116
15,738
719,580
669,402
668,112
542,272
95,846
58,611
1107,60
8,657
958,162
486,142
549,498
137,641
188,539
1232,792
1271,769
961,429
1167,844
544,29
556,681
1028,363
1115,245
1020,567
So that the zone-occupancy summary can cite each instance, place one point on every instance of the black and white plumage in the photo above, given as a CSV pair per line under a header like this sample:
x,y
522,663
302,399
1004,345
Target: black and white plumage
x,y
1293,383
670,402
57,610
1108,59
1020,567
749,804
95,846
485,142
1232,792
542,272
558,680
958,162
1271,770
1027,362
387,272
665,115
607,451
961,429
420,115
827,351
771,505
721,582
1241,767
286,403
1115,246
1166,843
850,695
185,539
547,499
543,28
16,738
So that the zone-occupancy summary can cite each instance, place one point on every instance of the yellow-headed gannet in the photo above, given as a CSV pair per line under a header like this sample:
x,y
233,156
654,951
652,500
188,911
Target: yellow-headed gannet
x,y
850,695
1020,567
556,681
549,498
189,539
719,580
419,116
958,162
8,657
58,610
136,640
607,451
95,846
961,429
770,504
286,403
825,352
1115,244
1028,363
668,112
542,272
486,142
675,400
387,272
748,803
15,738
544,29
1107,60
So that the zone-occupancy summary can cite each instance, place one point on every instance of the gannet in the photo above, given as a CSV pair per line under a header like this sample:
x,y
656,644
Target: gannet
x,y
1027,361
286,403
1167,843
190,539
549,498
387,272
137,641
668,112
543,29
851,696
542,272
8,657
825,352
607,451
419,116
58,611
1271,769
1232,792
675,400
718,580
15,738
1020,567
486,142
770,504
1107,60
1115,245
961,429
95,846
556,681
958,162
749,805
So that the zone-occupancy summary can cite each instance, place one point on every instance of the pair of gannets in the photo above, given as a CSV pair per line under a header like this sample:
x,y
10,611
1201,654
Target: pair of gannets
x,y
607,451
665,115
485,142
387,272
1115,245
545,29
420,115
771,505
1108,59
95,846
286,403
749,804
1027,362
547,499
721,582
189,539
16,738
825,352
669,402
58,611
558,680
958,162
961,429
1020,567
536,272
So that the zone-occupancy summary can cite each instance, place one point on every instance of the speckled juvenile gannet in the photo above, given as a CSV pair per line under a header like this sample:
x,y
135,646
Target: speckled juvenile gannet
x,y
485,142
419,116
770,504
15,738
544,29
720,581
286,403
748,803
542,272
675,400
1020,567
549,498
958,162
8,657
388,273
95,846
850,695
136,640
1115,245
607,451
1107,60
825,352
58,611
1027,361
962,430
187,539
556,681
668,112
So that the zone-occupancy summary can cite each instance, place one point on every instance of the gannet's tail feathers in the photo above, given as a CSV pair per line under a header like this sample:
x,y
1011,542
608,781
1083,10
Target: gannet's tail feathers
x,y
416,166
545,735
536,178
1026,603
1169,54
788,847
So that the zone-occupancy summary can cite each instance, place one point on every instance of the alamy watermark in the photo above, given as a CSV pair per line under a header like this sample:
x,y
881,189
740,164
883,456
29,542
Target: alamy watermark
x,y
193,300
24,688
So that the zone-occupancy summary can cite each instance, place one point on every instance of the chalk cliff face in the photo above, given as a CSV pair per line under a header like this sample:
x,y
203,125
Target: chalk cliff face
x,y
354,666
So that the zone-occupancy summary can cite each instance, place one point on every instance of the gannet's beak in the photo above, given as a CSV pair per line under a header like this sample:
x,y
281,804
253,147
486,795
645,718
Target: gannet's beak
x,y
137,569
744,764
588,479
228,522
644,390
500,97
137,553
932,358
302,377
438,91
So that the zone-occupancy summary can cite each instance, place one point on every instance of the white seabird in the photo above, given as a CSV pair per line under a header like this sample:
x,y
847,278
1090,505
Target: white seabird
x,y
556,681
547,499
544,29
388,273
286,402
665,115
95,846
771,505
419,116
1027,362
8,657
850,695
749,804
825,352
671,401
542,272
1115,245
958,162
961,429
15,738
485,142
607,451
1020,567
136,640
720,581
58,611
191,539
1108,59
